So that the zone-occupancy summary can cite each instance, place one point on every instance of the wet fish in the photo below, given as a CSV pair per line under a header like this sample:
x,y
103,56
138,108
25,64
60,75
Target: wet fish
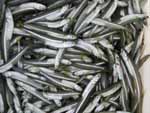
x,y
86,93
46,63
101,107
2,11
51,42
26,7
51,16
53,33
63,83
60,96
92,105
100,37
33,91
110,10
65,56
34,109
54,74
107,24
14,60
133,73
130,18
73,17
57,24
7,32
16,98
1,104
65,108
58,58
58,4
22,78
18,31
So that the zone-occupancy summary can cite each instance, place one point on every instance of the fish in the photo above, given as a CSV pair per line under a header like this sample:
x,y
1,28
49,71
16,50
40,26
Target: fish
x,y
92,105
86,93
2,11
65,108
58,4
10,63
16,99
75,14
88,66
54,74
88,20
57,24
102,106
35,110
90,15
52,53
88,47
119,72
134,73
65,56
63,83
51,16
33,91
110,10
52,33
122,3
98,38
21,77
51,42
130,18
9,98
17,2
7,32
26,7
58,58
20,32
60,96
1,104
107,24
109,91
46,63
85,72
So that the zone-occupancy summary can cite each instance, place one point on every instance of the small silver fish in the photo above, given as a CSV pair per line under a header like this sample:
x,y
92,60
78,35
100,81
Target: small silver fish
x,y
7,33
30,6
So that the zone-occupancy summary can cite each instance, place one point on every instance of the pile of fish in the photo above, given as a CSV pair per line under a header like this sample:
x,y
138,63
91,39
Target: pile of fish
x,y
70,56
